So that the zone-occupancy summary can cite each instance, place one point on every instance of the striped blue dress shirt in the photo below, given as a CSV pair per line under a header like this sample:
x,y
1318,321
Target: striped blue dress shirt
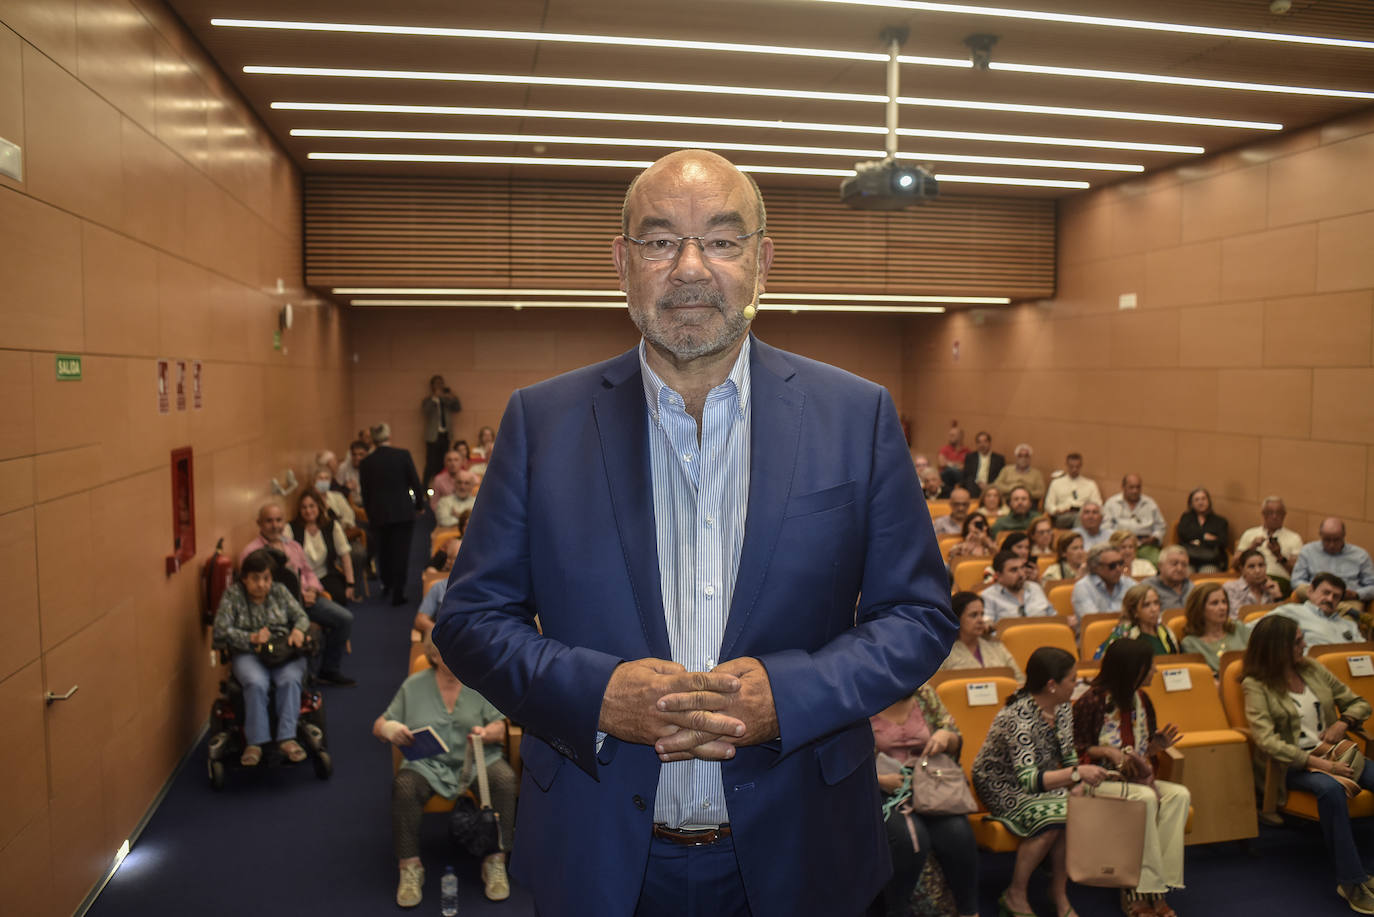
x,y
701,496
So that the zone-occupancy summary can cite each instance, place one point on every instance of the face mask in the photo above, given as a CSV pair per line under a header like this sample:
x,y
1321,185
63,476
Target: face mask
x,y
322,486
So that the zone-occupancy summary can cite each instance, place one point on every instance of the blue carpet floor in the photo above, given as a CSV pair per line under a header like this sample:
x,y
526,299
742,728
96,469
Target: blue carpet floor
x,y
277,842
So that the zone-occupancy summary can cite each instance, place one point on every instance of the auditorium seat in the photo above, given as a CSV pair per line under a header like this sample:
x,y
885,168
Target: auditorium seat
x,y
937,508
1060,595
1175,620
947,542
973,722
968,574
440,536
1094,629
1216,768
1023,636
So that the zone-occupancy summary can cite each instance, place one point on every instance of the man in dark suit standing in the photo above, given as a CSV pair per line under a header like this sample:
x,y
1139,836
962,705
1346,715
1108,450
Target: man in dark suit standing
x,y
392,494
982,465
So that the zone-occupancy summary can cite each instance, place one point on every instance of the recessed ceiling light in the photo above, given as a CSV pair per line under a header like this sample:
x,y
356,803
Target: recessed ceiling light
x,y
511,79
612,294
1106,21
519,304
713,145
731,122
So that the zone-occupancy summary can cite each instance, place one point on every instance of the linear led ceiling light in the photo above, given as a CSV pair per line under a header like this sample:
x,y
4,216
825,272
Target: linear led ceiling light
x,y
517,80
519,304
714,145
604,294
1107,21
361,107
644,164
740,48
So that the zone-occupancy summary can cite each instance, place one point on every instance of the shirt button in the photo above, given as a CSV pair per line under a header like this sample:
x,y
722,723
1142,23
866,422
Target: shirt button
x,y
710,663
710,520
710,589
686,456
706,805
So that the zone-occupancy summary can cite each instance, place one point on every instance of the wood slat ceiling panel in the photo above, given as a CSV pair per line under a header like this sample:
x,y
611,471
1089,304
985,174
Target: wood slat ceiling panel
x,y
373,231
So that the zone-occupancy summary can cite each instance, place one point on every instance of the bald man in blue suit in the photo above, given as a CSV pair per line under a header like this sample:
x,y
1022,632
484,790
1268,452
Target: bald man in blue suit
x,y
732,566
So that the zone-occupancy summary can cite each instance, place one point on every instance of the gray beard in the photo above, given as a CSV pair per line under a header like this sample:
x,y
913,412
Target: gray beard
x,y
686,342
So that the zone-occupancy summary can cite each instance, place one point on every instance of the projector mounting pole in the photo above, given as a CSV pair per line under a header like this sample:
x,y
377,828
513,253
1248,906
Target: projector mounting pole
x,y
894,36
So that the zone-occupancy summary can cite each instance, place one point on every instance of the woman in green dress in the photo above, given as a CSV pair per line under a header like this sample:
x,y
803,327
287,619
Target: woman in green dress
x,y
1140,620
1208,627
1025,771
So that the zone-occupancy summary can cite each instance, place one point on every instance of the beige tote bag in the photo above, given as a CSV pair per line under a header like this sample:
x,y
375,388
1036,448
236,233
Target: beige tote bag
x,y
1105,838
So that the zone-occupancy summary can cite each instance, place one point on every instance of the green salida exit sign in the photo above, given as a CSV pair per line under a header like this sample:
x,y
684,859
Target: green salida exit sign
x,y
68,367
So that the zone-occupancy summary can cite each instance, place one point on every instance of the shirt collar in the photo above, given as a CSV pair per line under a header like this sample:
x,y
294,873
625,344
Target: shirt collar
x,y
736,383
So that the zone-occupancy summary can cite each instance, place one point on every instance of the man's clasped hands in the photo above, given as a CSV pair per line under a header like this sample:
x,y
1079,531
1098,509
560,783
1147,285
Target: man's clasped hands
x,y
690,714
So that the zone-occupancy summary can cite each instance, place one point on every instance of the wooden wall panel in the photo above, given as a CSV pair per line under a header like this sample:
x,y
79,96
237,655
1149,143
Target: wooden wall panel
x,y
379,231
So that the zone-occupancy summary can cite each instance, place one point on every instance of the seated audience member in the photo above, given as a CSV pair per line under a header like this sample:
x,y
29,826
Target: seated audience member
x,y
930,482
1069,492
1320,616
1255,586
919,462
1331,554
1114,725
348,471
1021,474
327,460
973,650
1105,584
953,523
1204,534
453,505
1131,509
434,697
1171,582
1021,512
990,505
976,543
428,612
950,458
1026,769
326,546
903,735
1070,558
336,501
1141,612
982,465
1279,545
336,620
1126,542
1041,532
1011,595
445,482
365,437
1209,627
443,558
1292,705
486,438
253,612
1090,526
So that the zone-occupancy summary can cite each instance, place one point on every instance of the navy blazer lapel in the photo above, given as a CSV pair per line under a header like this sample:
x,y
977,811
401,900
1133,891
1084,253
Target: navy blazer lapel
x,y
622,423
776,421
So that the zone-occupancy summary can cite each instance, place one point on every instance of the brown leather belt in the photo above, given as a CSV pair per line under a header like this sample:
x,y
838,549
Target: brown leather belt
x,y
691,837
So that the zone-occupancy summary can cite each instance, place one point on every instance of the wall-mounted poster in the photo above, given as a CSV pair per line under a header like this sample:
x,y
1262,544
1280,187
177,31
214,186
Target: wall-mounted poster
x,y
164,386
196,369
181,385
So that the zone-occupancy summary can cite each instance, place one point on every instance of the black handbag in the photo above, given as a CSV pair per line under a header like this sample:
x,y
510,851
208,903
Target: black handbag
x,y
476,827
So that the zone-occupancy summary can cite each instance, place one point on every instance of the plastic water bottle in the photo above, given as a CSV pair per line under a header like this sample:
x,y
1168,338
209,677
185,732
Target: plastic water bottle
x,y
448,894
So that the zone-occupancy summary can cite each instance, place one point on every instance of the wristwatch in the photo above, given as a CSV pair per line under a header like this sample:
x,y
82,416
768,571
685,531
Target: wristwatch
x,y
1075,776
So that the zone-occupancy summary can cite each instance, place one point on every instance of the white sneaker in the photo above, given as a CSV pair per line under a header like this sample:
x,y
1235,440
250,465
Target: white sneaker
x,y
495,882
408,892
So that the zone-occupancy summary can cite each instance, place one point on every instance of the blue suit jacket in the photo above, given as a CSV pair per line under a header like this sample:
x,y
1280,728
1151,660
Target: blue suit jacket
x,y
563,528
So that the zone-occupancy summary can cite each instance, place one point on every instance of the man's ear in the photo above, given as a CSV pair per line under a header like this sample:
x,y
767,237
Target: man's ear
x,y
620,255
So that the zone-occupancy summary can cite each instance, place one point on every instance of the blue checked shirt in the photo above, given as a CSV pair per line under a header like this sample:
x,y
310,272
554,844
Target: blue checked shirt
x,y
701,495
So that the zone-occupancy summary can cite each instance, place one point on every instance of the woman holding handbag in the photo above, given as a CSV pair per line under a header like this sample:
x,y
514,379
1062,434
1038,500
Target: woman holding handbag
x,y
915,731
1114,725
1297,710
1025,771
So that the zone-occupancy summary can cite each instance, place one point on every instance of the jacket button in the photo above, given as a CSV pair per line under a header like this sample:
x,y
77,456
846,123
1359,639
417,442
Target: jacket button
x,y
639,803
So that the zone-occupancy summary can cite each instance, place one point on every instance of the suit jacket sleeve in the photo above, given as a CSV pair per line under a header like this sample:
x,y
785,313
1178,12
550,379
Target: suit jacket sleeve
x,y
486,628
904,626
413,480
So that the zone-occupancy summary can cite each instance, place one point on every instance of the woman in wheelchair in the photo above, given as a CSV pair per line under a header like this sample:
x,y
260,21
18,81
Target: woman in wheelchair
x,y
434,697
262,627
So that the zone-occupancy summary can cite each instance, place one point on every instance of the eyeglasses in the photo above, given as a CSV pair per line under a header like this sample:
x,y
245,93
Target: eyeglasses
x,y
723,245
1114,565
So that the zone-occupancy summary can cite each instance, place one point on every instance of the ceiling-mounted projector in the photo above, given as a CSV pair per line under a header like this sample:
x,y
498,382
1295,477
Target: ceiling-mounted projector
x,y
886,184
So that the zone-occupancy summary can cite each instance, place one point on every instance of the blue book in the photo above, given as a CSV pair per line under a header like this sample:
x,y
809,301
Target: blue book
x,y
427,744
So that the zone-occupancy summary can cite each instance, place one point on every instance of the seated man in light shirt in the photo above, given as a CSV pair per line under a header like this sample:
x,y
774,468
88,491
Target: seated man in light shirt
x,y
1069,492
451,506
1090,526
1279,545
1012,596
1132,509
1171,582
1319,617
1106,582
953,524
1021,474
1331,554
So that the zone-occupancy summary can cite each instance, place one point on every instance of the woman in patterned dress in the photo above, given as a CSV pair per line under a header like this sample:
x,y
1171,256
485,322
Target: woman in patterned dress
x,y
1025,771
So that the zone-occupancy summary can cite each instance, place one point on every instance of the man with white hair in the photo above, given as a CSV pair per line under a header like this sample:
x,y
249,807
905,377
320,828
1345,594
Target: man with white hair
x,y
392,494
1171,582
1090,526
1278,545
1021,474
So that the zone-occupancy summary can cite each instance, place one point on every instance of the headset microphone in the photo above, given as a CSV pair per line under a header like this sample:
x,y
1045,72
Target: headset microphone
x,y
750,312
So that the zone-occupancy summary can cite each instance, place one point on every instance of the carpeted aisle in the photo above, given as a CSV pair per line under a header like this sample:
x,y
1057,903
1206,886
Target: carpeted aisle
x,y
280,843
